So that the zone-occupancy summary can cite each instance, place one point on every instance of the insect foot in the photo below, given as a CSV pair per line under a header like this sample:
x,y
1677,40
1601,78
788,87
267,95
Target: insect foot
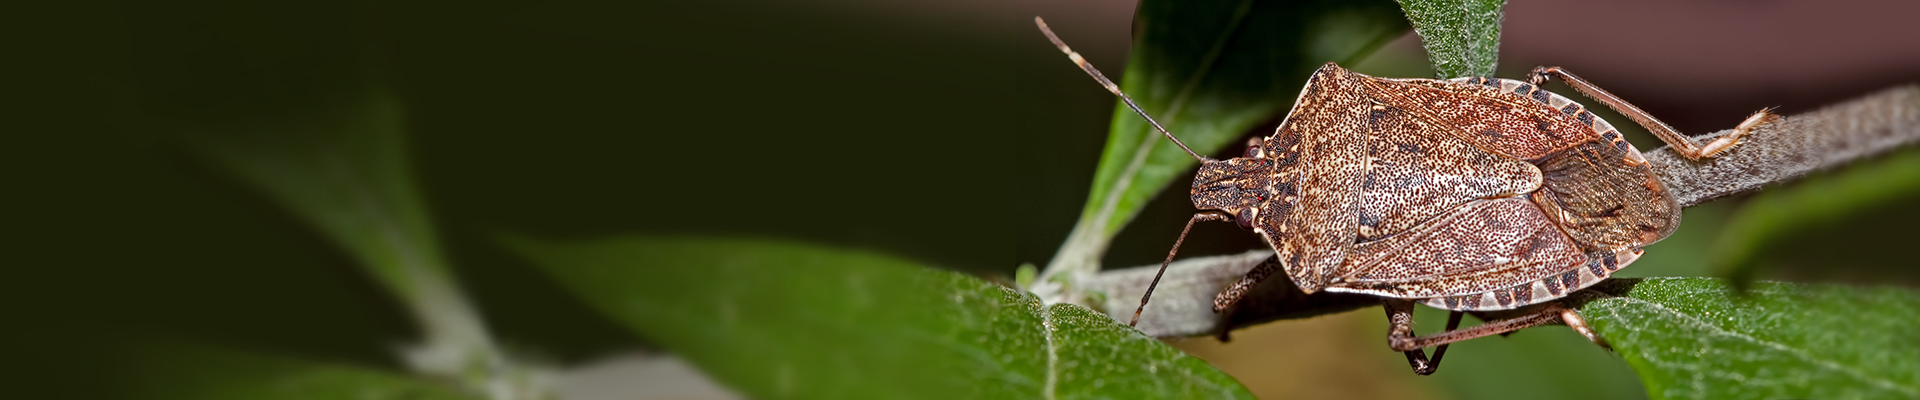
x,y
1400,337
1722,143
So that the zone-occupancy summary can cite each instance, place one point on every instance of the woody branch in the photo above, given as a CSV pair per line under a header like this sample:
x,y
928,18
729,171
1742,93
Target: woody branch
x,y
1777,152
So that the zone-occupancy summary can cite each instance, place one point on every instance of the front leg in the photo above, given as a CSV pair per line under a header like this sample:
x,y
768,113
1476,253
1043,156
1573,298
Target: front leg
x,y
1225,301
1202,216
1227,298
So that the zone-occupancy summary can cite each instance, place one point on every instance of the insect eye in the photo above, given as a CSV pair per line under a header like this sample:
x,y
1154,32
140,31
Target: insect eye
x,y
1253,151
1245,220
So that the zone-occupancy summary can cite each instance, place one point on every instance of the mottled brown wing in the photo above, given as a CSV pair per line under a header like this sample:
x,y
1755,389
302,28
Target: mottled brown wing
x,y
1492,118
1596,184
1418,170
1320,157
1478,247
1609,203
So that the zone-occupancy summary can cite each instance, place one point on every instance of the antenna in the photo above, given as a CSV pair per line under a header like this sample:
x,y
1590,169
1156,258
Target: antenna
x,y
1082,62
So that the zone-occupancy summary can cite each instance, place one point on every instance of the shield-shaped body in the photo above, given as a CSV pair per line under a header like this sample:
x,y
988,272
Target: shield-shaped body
x,y
1468,194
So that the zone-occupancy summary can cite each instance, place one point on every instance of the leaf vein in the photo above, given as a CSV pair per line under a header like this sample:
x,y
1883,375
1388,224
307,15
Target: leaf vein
x,y
1053,353
1828,364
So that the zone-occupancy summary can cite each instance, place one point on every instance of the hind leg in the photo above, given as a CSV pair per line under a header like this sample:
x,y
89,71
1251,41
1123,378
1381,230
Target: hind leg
x,y
1549,314
1681,143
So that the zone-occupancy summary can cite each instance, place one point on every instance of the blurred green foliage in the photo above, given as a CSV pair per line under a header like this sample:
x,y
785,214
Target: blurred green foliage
x,y
198,372
553,118
1779,220
345,172
777,319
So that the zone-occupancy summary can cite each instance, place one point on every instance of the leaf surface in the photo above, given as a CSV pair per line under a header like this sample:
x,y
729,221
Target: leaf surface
x,y
777,319
1462,37
1699,338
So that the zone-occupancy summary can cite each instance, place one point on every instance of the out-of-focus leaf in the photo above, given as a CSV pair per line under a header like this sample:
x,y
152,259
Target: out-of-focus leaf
x,y
342,167
778,320
1698,338
1462,37
1777,215
1209,71
344,171
176,371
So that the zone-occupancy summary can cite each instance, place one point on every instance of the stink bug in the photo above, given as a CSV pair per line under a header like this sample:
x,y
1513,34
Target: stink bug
x,y
1471,195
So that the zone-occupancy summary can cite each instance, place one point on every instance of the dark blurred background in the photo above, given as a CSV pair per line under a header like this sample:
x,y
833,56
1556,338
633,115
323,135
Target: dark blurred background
x,y
947,132
861,124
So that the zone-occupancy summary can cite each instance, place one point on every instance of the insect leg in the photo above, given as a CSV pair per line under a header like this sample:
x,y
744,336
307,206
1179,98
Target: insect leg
x,y
1204,216
1453,322
1549,314
1578,324
1232,295
1400,329
1681,143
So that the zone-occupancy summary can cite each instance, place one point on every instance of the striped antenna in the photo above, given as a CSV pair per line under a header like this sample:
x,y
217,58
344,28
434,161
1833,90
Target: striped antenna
x,y
1085,66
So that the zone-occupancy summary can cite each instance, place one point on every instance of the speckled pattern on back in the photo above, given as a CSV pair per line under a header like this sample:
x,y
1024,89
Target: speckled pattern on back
x,y
1599,263
1558,102
1464,194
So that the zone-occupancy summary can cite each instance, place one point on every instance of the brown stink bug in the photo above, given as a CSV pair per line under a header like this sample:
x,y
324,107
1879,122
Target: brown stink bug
x,y
1471,195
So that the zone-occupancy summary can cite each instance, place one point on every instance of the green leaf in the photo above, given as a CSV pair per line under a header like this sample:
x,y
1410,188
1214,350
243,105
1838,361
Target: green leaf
x,y
341,166
1775,217
777,319
343,170
1024,275
1462,37
1698,338
176,371
1210,71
